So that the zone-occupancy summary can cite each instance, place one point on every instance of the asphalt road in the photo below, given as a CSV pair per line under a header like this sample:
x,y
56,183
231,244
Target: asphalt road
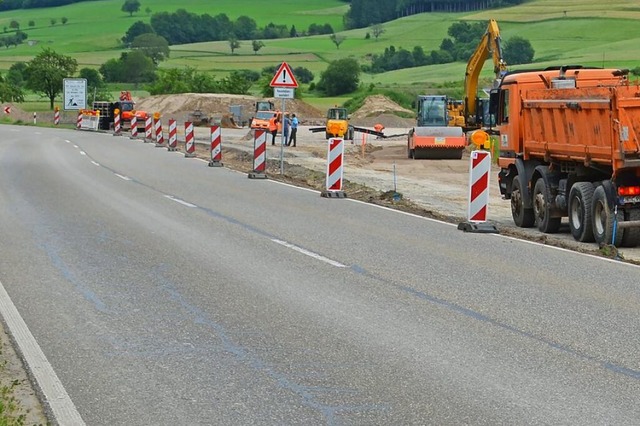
x,y
166,292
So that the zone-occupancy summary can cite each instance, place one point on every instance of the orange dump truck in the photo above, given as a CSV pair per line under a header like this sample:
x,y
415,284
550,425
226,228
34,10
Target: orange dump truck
x,y
569,147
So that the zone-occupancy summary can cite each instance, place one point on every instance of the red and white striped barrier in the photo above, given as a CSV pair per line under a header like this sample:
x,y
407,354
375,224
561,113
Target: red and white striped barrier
x,y
134,127
173,135
148,129
335,156
79,120
216,147
56,117
189,140
259,155
159,135
479,172
117,129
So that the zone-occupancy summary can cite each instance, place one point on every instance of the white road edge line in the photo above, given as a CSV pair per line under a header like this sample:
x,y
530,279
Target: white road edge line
x,y
177,200
309,253
62,408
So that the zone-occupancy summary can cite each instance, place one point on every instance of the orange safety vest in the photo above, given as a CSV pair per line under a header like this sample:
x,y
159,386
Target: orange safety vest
x,y
272,124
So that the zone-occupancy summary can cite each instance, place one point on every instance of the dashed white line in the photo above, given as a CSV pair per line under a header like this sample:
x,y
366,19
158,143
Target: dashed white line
x,y
309,253
95,163
83,153
62,408
178,200
122,176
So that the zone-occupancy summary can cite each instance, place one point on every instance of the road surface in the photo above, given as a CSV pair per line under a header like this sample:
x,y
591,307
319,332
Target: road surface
x,y
162,291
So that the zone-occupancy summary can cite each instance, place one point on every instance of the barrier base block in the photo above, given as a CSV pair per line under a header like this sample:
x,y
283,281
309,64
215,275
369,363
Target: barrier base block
x,y
160,145
333,194
117,134
189,155
257,175
171,148
215,163
478,227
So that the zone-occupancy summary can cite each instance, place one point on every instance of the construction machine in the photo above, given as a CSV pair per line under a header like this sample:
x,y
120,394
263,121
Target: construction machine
x,y
265,110
126,107
476,109
434,137
338,126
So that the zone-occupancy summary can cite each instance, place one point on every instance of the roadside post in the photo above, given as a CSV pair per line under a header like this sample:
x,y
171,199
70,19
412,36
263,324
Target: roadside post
x,y
335,155
284,84
479,172
216,147
259,155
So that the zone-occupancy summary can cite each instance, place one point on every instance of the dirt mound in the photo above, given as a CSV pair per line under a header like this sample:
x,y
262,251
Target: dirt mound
x,y
380,109
179,106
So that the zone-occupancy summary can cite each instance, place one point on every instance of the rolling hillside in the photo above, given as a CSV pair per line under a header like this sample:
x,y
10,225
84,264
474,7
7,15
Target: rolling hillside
x,y
587,32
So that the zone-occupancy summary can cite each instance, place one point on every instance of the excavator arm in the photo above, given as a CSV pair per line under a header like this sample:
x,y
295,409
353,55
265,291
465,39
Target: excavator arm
x,y
490,43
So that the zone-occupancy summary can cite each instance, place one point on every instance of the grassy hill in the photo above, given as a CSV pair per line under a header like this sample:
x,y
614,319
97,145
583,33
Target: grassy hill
x,y
588,32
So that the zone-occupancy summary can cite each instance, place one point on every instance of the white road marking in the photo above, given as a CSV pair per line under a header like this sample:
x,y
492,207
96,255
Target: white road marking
x,y
309,253
67,141
83,153
122,176
177,200
76,146
62,408
95,164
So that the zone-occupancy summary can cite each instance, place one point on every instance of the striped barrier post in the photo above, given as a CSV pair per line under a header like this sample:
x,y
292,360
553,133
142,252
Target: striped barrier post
x,y
159,135
189,140
134,127
216,147
116,123
148,129
259,155
56,116
479,172
335,156
173,136
79,120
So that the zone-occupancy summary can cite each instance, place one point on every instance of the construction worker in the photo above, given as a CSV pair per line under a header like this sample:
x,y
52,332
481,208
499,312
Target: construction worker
x,y
273,128
294,130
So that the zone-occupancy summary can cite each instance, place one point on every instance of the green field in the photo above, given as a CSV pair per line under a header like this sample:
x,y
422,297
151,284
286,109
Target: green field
x,y
587,32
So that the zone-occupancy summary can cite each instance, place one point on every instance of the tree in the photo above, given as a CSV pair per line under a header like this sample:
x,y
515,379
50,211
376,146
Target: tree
x,y
95,83
303,75
131,6
9,92
137,67
46,72
244,28
377,30
233,43
256,45
293,32
340,77
17,74
154,46
518,50
138,28
64,20
32,23
14,25
53,21
337,39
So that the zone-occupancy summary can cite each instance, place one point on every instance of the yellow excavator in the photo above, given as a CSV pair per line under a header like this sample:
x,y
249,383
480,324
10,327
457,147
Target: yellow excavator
x,y
442,124
475,108
338,126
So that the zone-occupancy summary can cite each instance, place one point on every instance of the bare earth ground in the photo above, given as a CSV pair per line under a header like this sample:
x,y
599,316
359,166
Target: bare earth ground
x,y
374,169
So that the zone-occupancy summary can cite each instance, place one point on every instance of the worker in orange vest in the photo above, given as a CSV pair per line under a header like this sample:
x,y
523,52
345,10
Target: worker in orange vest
x,y
273,128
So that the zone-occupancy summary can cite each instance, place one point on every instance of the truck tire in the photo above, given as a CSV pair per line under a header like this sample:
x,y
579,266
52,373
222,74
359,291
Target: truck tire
x,y
602,215
542,208
631,236
580,202
522,217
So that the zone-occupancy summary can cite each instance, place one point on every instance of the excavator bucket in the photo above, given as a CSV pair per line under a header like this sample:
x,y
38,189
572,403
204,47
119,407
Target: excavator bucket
x,y
436,143
228,122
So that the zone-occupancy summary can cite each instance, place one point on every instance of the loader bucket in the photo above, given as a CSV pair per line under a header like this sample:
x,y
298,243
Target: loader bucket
x,y
436,143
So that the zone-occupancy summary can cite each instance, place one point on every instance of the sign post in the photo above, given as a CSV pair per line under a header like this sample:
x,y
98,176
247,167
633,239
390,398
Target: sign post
x,y
284,84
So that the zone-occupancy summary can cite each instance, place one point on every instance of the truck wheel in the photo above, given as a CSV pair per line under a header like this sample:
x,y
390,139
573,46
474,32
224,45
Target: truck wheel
x,y
631,236
580,202
522,217
542,208
602,215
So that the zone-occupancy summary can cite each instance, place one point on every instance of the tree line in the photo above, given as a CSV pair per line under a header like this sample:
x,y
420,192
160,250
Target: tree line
x,y
363,13
34,4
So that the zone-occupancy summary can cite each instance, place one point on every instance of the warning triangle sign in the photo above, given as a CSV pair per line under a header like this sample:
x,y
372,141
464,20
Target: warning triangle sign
x,y
284,77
